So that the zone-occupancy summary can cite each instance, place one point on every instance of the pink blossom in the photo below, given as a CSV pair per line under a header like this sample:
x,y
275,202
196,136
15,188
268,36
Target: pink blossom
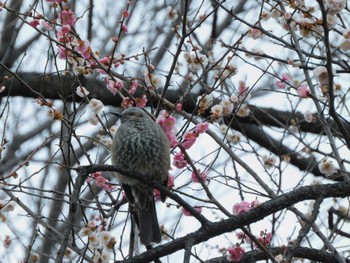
x,y
202,175
34,23
100,181
187,213
235,253
303,91
280,84
84,49
105,61
241,207
284,79
264,238
124,28
114,86
127,102
96,174
190,139
179,160
46,25
202,127
67,17
172,139
65,29
178,106
134,86
125,13
141,102
166,121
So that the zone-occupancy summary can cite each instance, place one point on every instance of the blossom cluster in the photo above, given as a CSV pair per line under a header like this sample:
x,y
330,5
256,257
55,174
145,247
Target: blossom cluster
x,y
167,122
101,182
235,253
244,207
101,242
226,106
5,207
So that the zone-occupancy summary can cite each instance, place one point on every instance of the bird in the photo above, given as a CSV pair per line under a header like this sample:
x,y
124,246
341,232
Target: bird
x,y
141,147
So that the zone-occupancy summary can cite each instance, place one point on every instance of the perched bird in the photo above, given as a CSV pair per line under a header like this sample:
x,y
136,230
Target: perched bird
x,y
141,147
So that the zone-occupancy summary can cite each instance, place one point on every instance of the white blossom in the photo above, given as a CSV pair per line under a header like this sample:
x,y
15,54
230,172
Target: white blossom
x,y
243,111
321,74
96,105
335,6
93,119
327,167
82,91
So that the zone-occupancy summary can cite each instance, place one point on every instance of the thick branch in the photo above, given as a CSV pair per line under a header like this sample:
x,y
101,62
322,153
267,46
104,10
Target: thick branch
x,y
213,229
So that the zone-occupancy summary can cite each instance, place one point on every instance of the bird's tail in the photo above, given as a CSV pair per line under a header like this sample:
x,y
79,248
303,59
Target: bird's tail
x,y
148,224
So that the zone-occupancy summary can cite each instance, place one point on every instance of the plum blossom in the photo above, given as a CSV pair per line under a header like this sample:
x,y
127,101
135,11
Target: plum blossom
x,y
235,253
188,213
167,123
67,17
125,13
96,105
308,116
190,139
127,102
7,206
134,85
303,91
255,33
227,107
202,127
82,91
178,106
243,110
114,85
234,137
345,42
223,128
327,167
196,61
217,111
152,80
269,161
321,74
179,160
46,25
141,102
335,6
241,207
285,79
202,175
93,119
204,102
230,70
34,23
264,238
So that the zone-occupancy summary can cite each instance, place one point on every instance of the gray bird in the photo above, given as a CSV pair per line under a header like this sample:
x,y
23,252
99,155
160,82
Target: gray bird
x,y
141,147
